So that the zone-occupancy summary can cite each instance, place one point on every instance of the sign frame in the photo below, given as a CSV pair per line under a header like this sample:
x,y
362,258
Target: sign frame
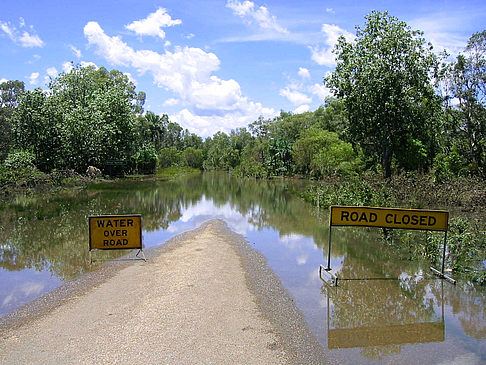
x,y
394,219
137,245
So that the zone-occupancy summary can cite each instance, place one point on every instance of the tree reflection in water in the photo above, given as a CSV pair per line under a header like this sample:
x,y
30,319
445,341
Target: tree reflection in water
x,y
50,233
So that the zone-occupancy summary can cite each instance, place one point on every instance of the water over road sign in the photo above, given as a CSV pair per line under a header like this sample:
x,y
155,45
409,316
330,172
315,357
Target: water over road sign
x,y
115,232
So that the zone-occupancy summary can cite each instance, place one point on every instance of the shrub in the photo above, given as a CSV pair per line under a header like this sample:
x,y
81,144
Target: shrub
x,y
169,157
146,159
193,157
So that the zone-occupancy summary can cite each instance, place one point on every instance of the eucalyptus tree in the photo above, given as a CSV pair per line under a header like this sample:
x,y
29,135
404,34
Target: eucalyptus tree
x,y
467,78
384,78
85,118
10,92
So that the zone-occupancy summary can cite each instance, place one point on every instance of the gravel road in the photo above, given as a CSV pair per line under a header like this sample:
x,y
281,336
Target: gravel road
x,y
204,297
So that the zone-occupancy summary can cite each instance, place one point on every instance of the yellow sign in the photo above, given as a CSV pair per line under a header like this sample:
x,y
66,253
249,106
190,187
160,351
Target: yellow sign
x,y
114,232
433,220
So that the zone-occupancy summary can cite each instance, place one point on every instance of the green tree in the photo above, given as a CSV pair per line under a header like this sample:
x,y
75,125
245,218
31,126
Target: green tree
x,y
152,128
193,157
189,139
279,160
467,78
384,79
220,153
35,129
146,159
10,92
319,153
86,118
169,157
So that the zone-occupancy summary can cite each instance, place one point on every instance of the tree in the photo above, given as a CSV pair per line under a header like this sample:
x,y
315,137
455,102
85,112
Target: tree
x,y
35,129
219,153
86,118
279,161
193,157
152,128
320,152
467,77
10,92
384,79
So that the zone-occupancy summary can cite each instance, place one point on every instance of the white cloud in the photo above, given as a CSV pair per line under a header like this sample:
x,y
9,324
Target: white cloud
x,y
3,80
302,109
261,16
34,78
67,67
88,64
25,39
30,40
171,102
131,78
153,24
321,91
330,10
437,30
7,29
75,51
323,55
218,104
52,72
208,125
294,96
304,73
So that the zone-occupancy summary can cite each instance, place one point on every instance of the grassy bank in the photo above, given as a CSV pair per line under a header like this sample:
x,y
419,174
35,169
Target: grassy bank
x,y
465,198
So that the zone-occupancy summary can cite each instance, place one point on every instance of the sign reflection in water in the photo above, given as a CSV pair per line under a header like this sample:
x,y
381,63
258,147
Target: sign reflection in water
x,y
376,312
50,234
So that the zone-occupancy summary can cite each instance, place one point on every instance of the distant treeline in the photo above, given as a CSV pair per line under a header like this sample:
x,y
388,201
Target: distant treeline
x,y
397,107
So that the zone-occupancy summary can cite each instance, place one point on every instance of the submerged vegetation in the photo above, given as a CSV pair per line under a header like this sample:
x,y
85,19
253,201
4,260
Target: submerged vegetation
x,y
405,127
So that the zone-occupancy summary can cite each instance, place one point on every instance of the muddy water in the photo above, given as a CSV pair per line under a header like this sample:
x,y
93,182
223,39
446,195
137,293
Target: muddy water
x,y
385,309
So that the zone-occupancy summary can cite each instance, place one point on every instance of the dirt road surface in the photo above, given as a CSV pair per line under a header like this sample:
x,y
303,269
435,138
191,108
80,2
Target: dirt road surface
x,y
204,297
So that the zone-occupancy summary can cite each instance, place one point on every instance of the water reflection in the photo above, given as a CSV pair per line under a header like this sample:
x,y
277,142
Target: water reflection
x,y
387,315
410,320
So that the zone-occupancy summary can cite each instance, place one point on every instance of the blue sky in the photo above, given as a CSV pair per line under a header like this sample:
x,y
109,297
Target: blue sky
x,y
211,65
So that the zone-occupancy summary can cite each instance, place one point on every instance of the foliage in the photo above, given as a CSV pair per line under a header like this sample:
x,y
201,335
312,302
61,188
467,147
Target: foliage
x,y
279,161
20,160
18,167
384,80
85,119
193,157
466,79
450,165
354,191
10,92
146,159
249,165
220,153
321,153
169,157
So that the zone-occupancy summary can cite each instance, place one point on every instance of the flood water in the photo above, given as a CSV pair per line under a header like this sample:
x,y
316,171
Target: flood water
x,y
384,310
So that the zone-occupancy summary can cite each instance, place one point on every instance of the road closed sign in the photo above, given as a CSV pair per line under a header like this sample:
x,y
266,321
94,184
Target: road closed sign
x,y
433,220
115,232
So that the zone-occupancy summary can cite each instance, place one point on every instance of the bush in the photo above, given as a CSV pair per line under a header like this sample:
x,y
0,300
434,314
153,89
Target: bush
x,y
146,160
169,157
251,168
18,168
20,161
193,157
